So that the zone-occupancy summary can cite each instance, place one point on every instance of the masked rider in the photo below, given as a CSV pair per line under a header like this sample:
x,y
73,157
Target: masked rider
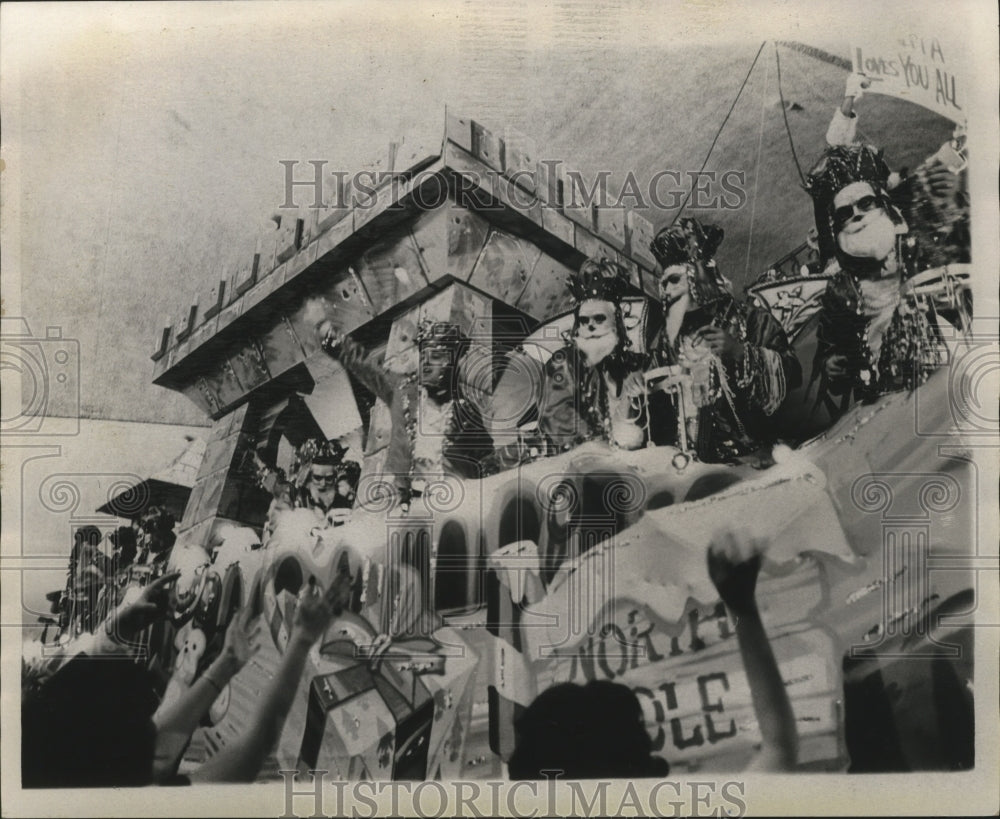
x,y
593,387
732,362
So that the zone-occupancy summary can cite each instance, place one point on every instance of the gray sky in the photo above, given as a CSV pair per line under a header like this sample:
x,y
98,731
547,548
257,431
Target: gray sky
x,y
142,141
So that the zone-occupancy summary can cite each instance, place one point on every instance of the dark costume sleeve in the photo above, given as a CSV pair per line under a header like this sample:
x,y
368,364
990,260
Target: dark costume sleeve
x,y
558,417
837,333
770,368
367,367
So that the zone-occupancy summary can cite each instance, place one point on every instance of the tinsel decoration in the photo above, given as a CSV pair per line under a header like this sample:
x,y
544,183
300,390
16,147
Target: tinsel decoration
x,y
690,243
600,279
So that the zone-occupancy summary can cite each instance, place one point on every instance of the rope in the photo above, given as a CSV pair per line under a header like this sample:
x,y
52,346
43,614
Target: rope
x,y
817,54
756,174
816,93
719,132
784,114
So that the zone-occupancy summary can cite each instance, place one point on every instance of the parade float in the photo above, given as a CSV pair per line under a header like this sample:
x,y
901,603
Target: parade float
x,y
476,595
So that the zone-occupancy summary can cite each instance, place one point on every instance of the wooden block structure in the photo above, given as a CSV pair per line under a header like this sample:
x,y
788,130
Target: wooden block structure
x,y
473,231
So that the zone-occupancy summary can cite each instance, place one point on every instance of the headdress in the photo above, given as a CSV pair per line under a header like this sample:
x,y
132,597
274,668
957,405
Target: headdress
x,y
691,243
157,519
843,164
599,279
686,241
838,167
315,451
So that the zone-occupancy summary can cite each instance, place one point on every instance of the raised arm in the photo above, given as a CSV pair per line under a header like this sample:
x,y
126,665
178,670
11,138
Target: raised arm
x,y
176,722
844,125
117,635
241,761
364,366
733,564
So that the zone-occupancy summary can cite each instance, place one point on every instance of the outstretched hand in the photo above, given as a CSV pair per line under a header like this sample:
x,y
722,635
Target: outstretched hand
x,y
942,182
313,613
241,641
150,606
734,561
856,85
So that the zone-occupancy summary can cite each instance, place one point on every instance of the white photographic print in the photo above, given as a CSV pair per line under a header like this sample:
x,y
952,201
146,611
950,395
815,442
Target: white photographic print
x,y
584,408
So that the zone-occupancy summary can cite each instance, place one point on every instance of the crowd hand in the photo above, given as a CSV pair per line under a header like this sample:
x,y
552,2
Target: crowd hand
x,y
733,564
313,613
241,641
150,606
856,85
836,366
720,342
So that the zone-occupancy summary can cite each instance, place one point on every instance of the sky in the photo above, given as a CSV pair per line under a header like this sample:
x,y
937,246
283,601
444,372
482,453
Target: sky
x,y
142,141
52,488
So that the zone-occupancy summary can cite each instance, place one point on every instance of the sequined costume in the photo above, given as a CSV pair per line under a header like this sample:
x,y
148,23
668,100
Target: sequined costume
x,y
427,435
888,339
731,420
725,402
581,401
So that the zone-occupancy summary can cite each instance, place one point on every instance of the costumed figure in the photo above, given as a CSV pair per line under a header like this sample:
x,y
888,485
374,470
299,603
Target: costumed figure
x,y
316,474
728,365
438,412
933,200
593,386
88,569
158,535
348,474
874,335
313,482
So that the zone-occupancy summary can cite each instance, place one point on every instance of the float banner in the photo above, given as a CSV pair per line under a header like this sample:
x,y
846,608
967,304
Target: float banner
x,y
919,67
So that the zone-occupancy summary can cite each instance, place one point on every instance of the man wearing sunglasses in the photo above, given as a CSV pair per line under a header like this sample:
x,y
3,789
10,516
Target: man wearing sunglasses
x,y
732,362
872,337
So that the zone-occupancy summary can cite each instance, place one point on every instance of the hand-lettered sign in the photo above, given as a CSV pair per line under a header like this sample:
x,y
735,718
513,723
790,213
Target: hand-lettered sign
x,y
921,68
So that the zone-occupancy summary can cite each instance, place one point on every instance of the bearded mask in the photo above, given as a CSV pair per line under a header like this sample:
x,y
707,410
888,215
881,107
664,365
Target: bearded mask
x,y
686,250
595,331
855,217
598,329
864,229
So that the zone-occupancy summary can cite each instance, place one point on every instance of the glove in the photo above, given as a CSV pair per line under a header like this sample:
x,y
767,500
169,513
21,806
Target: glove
x,y
856,85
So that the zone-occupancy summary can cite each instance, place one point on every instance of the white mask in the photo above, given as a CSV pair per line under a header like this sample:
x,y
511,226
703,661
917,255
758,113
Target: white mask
x,y
597,336
873,237
596,348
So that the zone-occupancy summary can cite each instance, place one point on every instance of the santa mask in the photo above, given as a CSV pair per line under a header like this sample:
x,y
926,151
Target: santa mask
x,y
864,229
323,483
596,333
